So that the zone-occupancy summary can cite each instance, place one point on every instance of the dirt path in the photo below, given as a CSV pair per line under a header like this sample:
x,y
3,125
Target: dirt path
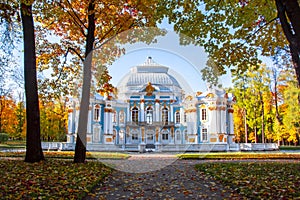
x,y
158,176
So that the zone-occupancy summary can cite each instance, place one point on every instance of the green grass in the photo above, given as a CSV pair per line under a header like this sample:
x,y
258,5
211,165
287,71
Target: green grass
x,y
51,179
256,180
289,147
70,155
13,144
239,156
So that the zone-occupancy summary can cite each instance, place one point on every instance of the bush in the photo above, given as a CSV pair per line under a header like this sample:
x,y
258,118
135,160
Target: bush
x,y
3,137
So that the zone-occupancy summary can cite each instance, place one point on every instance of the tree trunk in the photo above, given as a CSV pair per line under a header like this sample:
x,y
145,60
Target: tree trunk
x,y
34,152
262,118
80,148
246,127
289,10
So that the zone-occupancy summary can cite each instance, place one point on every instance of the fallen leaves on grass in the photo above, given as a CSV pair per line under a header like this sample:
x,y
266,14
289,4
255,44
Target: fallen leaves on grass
x,y
260,180
51,179
239,156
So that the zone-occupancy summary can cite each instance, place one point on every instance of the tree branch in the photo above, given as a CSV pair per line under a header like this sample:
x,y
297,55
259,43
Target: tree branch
x,y
75,21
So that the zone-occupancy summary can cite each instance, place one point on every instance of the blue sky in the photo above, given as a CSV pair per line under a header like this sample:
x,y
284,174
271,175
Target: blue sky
x,y
185,61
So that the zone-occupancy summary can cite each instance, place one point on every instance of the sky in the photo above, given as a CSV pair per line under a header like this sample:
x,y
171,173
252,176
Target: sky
x,y
184,62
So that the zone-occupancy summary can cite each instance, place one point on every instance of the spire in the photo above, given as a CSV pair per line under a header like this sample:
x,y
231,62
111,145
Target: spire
x,y
149,61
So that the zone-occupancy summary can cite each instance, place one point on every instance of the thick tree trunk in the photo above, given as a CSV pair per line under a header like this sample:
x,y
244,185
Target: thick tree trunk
x,y
289,10
34,151
80,148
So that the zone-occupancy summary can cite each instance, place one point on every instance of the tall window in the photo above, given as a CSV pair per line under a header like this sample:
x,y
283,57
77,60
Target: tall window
x,y
135,114
149,115
203,114
165,115
122,117
177,117
204,134
114,117
165,135
97,113
184,117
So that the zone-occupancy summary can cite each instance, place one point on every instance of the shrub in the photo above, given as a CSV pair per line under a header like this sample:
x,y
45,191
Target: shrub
x,y
3,137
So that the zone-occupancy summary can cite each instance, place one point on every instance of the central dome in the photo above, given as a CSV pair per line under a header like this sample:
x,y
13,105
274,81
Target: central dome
x,y
149,71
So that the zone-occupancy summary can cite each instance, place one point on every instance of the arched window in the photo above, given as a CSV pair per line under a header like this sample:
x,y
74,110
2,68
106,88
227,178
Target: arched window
x,y
149,115
184,117
135,114
165,115
122,117
114,117
177,117
204,134
165,135
97,113
203,114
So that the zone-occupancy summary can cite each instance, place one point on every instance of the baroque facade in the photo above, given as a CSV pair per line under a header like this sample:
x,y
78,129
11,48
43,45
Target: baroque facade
x,y
152,110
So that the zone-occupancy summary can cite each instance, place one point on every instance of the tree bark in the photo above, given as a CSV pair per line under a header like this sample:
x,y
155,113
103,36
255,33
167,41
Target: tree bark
x,y
34,152
289,10
80,148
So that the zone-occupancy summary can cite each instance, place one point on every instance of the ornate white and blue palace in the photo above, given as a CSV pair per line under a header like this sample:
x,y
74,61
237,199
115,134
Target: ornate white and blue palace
x,y
152,111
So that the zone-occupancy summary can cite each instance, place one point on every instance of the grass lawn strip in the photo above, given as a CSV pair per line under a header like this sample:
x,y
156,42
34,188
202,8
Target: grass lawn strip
x,y
239,156
257,180
70,155
51,179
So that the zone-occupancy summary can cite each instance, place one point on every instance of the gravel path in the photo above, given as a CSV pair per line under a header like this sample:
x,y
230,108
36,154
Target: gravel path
x,y
153,176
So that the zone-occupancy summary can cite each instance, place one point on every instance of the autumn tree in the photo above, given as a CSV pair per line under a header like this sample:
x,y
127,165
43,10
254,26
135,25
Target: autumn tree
x,y
54,116
234,33
34,152
84,26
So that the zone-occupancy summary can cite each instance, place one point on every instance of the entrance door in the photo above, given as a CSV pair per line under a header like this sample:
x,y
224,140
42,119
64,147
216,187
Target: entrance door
x,y
150,138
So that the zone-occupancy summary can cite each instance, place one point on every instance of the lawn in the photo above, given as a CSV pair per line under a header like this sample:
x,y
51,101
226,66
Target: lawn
x,y
70,155
13,145
257,180
51,179
239,155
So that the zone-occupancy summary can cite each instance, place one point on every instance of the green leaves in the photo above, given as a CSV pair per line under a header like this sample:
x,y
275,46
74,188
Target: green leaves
x,y
52,179
261,180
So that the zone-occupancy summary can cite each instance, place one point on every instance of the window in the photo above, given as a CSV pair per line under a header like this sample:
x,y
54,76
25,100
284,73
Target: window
x,y
121,136
203,114
135,114
149,115
204,134
178,138
184,117
97,113
134,136
177,117
165,115
122,117
114,117
165,136
185,132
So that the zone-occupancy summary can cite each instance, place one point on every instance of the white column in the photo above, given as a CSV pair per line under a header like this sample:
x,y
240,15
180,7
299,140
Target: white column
x,y
212,121
223,120
230,121
218,119
106,122
171,113
110,124
128,113
157,111
89,124
142,107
